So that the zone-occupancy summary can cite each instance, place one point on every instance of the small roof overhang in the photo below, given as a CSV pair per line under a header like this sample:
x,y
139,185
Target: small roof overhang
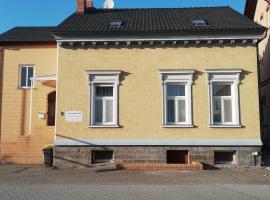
x,y
47,80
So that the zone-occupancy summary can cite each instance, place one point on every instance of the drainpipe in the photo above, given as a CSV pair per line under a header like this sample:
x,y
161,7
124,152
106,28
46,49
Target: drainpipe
x,y
30,112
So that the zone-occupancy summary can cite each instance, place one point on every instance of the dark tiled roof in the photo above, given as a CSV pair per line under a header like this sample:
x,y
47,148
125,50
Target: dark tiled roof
x,y
28,34
157,21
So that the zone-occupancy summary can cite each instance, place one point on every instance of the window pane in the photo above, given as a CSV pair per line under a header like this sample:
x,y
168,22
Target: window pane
x,y
181,111
109,111
98,111
104,91
228,110
23,76
221,90
30,75
175,90
217,110
170,111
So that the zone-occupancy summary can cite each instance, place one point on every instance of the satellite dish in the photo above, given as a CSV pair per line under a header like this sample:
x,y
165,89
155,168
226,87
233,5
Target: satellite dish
x,y
108,4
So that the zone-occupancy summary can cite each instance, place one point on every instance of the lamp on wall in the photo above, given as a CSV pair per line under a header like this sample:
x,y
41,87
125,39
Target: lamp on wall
x,y
41,115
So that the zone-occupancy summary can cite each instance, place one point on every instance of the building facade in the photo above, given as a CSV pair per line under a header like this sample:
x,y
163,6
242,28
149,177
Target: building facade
x,y
260,13
134,88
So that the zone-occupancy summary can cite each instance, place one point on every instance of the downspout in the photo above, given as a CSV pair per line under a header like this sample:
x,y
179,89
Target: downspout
x,y
30,111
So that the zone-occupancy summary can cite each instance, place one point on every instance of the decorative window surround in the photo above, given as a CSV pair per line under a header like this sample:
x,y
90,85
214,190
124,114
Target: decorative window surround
x,y
229,77
107,79
177,78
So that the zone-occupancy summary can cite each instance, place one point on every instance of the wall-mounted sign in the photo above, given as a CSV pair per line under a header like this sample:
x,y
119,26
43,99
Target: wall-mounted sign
x,y
74,116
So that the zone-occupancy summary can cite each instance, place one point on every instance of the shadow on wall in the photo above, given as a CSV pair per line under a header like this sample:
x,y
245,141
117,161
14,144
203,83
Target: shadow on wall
x,y
82,142
84,157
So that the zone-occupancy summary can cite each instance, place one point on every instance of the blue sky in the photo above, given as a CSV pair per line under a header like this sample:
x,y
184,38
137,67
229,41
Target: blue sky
x,y
52,12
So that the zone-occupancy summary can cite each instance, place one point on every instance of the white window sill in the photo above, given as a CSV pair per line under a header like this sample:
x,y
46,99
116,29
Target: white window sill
x,y
103,126
225,126
25,88
178,126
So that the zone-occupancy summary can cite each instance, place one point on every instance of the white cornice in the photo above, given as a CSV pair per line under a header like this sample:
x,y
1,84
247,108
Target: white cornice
x,y
103,72
171,38
223,71
176,71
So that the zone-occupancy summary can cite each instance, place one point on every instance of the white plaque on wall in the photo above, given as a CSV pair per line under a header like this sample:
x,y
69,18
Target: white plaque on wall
x,y
74,116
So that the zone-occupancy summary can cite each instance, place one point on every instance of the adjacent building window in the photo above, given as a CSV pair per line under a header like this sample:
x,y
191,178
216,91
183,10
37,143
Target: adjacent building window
x,y
177,108
104,98
224,97
26,73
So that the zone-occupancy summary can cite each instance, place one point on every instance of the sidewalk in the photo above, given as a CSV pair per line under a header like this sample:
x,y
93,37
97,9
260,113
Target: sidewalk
x,y
38,175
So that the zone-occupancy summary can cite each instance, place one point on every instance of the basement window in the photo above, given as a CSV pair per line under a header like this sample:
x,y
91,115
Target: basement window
x,y
177,157
199,22
102,156
116,24
223,157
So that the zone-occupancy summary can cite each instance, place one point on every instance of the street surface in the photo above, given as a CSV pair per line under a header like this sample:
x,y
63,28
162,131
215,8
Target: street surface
x,y
38,183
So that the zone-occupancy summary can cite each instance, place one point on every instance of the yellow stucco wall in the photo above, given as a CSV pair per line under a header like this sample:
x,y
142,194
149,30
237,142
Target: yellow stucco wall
x,y
16,145
140,93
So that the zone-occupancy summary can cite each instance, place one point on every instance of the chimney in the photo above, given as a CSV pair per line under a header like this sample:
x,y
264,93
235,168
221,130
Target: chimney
x,y
82,5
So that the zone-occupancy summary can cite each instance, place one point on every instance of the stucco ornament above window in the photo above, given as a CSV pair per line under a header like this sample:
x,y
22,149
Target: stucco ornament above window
x,y
104,86
223,90
176,88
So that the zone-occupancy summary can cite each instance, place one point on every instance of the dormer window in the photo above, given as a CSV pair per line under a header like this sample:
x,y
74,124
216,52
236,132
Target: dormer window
x,y
199,22
116,24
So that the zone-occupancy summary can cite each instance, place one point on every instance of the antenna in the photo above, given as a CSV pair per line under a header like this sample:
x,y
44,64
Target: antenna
x,y
108,4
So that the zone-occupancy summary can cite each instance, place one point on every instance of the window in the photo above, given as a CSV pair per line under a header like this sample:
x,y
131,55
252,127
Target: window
x,y
103,104
104,98
261,21
26,73
223,157
102,156
222,103
223,96
199,22
177,157
177,110
116,24
268,17
176,103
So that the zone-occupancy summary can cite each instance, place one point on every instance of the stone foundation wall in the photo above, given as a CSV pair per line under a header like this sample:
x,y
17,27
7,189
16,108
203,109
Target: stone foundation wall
x,y
69,156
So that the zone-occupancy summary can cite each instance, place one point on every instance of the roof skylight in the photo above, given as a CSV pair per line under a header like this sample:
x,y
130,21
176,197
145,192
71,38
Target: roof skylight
x,y
116,24
199,22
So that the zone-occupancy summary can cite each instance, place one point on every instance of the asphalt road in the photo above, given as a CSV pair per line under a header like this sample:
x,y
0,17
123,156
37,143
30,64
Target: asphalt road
x,y
38,183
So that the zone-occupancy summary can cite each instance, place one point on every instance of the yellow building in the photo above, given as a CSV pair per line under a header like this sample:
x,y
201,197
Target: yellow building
x,y
142,85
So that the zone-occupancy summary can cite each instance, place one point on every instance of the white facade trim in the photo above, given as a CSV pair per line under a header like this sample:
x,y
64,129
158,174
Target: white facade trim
x,y
158,142
231,76
169,38
108,78
183,77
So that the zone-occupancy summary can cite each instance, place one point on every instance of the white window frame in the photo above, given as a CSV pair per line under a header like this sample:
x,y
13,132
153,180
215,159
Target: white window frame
x,y
177,77
104,79
231,77
20,76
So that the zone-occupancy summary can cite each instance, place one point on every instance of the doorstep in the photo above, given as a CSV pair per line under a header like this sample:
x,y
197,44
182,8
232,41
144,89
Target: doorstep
x,y
194,165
